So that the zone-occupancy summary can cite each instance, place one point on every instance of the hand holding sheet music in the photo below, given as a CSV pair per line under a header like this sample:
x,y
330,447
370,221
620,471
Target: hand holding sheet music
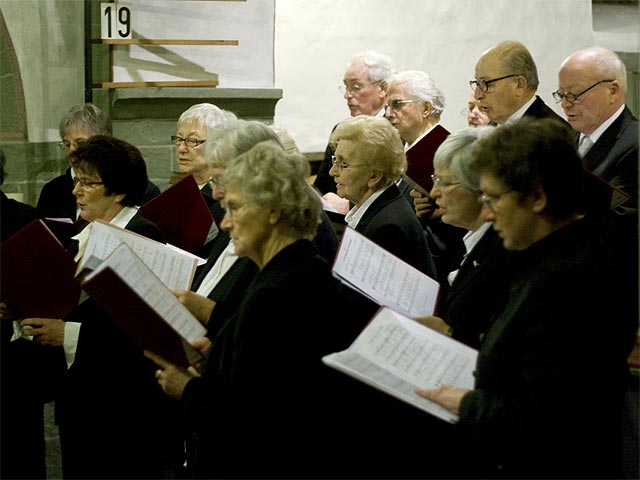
x,y
398,355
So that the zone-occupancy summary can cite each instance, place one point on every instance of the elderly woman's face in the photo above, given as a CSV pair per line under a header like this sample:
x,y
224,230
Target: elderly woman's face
x,y
407,114
92,200
191,159
350,173
458,206
248,225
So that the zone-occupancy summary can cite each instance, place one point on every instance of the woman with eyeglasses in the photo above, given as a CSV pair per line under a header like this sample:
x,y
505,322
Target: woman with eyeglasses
x,y
264,406
551,374
107,407
476,289
369,160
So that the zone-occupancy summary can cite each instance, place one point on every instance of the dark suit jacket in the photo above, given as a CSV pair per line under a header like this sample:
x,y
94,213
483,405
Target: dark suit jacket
x,y
551,373
392,223
22,446
539,109
114,419
614,157
272,378
324,182
58,201
479,290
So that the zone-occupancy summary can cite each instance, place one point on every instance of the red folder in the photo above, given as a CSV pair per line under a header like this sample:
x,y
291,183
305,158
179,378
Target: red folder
x,y
182,214
37,274
141,322
420,158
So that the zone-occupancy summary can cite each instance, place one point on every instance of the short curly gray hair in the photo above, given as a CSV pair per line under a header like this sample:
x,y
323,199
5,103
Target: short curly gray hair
x,y
379,145
270,178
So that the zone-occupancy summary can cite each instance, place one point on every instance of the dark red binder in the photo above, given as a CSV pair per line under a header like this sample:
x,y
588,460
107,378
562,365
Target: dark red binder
x,y
182,214
420,158
37,275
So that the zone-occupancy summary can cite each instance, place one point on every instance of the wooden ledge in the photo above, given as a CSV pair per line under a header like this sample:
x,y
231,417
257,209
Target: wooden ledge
x,y
178,83
149,41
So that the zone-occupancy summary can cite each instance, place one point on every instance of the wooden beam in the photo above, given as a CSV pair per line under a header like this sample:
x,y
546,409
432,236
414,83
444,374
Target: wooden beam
x,y
148,41
178,83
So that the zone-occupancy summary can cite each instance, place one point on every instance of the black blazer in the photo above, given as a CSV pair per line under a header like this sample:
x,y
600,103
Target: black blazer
x,y
614,157
110,375
554,359
273,345
479,290
539,109
58,201
392,224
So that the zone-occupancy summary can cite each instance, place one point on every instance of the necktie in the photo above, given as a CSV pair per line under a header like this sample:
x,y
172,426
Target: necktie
x,y
585,145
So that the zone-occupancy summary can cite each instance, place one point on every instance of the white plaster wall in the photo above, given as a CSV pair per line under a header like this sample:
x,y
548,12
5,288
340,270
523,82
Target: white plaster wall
x,y
246,65
48,38
314,40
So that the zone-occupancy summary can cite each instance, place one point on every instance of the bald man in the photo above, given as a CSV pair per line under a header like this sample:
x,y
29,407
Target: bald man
x,y
506,83
592,84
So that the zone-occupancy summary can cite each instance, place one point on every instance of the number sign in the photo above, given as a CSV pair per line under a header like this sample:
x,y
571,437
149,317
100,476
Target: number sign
x,y
115,20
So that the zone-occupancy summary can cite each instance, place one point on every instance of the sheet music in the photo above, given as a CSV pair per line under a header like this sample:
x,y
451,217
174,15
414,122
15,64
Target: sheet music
x,y
150,288
174,268
383,277
397,355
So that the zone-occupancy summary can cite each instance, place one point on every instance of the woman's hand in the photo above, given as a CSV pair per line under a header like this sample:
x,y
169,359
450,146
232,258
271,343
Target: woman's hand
x,y
201,307
448,396
434,323
172,378
46,331
339,204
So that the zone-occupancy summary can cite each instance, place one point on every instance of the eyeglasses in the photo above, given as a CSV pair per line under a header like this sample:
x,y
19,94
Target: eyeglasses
x,y
189,142
86,184
231,209
483,85
218,184
66,145
341,164
572,97
490,200
355,88
441,183
397,104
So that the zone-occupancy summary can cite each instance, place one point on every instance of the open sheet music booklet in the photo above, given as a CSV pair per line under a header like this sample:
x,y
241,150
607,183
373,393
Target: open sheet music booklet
x,y
144,307
175,268
396,355
384,278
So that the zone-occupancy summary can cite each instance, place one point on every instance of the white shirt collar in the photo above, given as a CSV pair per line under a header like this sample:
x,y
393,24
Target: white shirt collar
x,y
597,133
518,114
120,220
354,215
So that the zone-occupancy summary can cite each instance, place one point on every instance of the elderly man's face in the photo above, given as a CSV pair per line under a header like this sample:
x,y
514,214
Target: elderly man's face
x,y
594,106
410,117
500,101
362,95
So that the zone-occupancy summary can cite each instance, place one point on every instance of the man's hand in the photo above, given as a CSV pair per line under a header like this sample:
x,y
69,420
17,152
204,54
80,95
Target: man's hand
x,y
46,331
424,206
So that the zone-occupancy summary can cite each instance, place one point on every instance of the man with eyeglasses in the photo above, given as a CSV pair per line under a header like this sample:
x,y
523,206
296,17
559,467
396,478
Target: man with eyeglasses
x,y
365,90
414,106
77,126
506,83
592,84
